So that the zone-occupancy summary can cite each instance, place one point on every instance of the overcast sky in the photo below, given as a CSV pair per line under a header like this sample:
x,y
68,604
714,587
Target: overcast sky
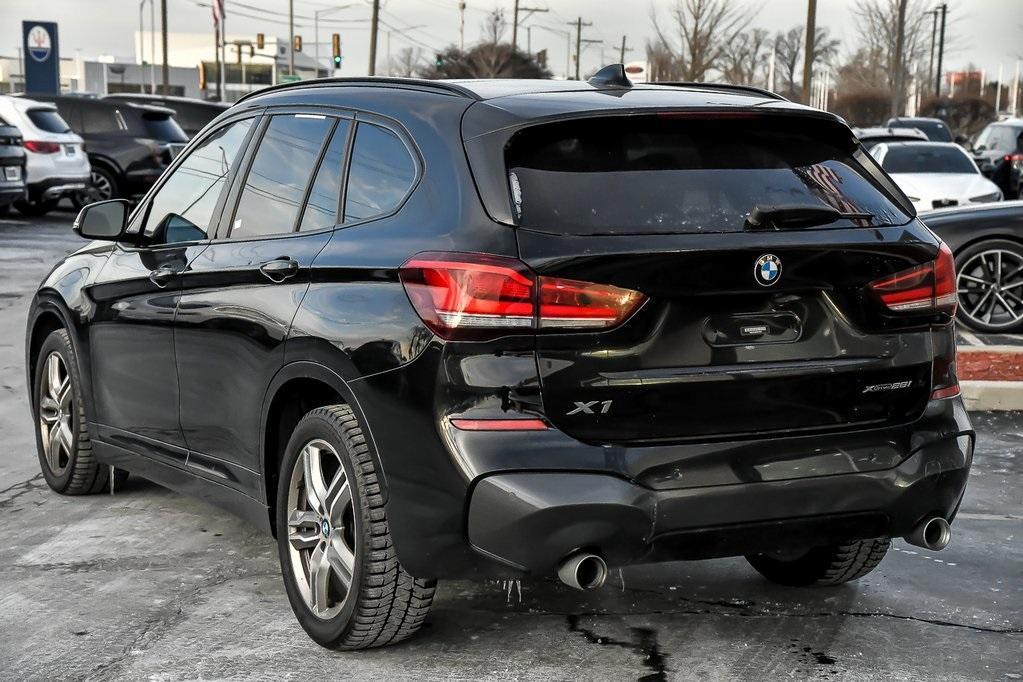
x,y
985,32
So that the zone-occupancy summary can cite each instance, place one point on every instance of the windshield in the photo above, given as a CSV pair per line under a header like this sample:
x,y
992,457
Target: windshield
x,y
48,120
927,159
664,174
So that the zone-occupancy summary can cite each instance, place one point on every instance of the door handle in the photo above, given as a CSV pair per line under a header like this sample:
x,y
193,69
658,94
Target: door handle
x,y
279,269
162,276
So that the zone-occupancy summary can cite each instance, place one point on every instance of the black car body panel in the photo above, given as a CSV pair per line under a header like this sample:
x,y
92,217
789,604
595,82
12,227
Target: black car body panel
x,y
194,379
963,226
191,114
12,164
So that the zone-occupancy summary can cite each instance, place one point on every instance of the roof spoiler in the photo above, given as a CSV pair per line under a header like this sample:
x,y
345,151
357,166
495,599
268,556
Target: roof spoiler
x,y
612,75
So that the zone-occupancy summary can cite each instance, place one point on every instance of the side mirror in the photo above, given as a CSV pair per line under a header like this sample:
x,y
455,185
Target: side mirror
x,y
104,220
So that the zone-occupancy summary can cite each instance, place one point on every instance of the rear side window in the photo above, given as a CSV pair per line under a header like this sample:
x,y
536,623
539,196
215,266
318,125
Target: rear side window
x,y
668,174
100,118
382,172
280,173
48,120
322,207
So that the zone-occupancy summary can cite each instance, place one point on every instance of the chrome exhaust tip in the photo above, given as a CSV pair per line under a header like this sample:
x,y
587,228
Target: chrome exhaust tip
x,y
583,571
933,534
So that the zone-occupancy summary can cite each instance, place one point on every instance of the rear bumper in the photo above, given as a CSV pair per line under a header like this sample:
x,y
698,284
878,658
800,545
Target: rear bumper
x,y
55,188
531,520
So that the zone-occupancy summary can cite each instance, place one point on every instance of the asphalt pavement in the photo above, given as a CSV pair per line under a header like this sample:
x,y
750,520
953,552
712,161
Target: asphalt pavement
x,y
147,583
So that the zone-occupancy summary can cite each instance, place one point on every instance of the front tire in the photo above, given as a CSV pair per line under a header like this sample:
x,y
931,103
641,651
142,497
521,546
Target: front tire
x,y
340,570
62,435
832,565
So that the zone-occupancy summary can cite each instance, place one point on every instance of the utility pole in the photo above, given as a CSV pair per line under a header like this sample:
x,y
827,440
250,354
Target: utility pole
x,y
943,8
621,53
579,23
900,70
934,40
291,37
373,25
808,48
461,26
163,42
152,47
516,21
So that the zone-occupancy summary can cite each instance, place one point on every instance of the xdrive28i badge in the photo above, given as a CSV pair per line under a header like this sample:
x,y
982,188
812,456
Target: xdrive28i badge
x,y
767,270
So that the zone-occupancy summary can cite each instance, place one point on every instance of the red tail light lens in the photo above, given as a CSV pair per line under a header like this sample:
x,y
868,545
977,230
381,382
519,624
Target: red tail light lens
x,y
42,147
930,287
499,424
476,296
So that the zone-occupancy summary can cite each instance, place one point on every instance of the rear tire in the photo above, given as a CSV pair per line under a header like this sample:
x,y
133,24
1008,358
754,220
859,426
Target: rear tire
x,y
832,565
62,433
102,186
335,532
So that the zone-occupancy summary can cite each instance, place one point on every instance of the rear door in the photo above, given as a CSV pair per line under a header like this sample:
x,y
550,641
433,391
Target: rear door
x,y
745,330
240,294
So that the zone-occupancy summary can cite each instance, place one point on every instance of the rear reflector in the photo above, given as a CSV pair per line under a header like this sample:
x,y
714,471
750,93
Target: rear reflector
x,y
945,392
926,288
474,296
499,424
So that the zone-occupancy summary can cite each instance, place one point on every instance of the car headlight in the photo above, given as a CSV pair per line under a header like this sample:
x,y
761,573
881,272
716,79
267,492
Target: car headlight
x,y
984,198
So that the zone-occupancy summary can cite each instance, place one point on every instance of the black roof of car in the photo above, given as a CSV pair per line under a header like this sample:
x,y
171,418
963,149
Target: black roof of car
x,y
72,100
169,99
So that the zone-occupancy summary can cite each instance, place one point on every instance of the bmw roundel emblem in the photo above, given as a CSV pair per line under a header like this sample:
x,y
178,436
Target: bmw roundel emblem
x,y
767,270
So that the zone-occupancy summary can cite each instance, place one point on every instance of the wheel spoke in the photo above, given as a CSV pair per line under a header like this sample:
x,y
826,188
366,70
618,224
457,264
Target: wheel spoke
x,y
971,278
980,304
339,496
48,410
312,474
53,448
54,380
1005,304
341,559
319,579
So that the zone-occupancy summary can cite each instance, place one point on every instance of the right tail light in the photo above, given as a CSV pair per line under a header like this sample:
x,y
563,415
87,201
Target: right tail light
x,y
478,296
40,147
926,288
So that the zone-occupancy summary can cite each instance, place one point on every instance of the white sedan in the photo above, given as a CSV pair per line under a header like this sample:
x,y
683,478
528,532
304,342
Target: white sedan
x,y
935,174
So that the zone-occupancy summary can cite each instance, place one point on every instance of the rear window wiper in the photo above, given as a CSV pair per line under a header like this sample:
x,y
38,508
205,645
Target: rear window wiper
x,y
765,217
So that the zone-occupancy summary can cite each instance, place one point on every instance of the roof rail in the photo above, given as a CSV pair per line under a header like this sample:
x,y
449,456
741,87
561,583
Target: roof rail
x,y
727,87
424,83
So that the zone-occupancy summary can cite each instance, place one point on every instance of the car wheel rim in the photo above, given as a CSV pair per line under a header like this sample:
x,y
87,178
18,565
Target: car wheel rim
x,y
990,286
321,529
101,185
56,414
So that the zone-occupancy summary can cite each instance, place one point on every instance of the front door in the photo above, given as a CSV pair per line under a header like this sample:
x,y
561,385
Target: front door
x,y
132,342
241,293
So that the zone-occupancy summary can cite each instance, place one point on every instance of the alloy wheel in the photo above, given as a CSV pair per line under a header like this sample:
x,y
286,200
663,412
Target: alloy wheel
x,y
321,529
990,286
56,414
101,187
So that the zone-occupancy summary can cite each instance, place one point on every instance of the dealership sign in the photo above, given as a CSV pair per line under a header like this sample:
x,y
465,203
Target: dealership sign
x,y
42,57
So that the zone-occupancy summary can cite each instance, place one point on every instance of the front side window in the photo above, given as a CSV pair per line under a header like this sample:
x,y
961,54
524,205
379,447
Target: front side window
x,y
280,172
382,172
182,209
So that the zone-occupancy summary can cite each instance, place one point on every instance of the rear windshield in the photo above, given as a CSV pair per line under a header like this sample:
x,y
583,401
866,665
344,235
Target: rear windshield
x,y
48,121
646,174
163,128
936,131
915,158
1002,138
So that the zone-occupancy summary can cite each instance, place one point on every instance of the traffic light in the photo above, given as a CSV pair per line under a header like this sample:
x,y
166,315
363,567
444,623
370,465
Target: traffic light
x,y
439,61
296,44
541,58
335,47
260,41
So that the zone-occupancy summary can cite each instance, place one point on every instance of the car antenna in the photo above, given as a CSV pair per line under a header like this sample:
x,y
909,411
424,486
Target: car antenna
x,y
613,74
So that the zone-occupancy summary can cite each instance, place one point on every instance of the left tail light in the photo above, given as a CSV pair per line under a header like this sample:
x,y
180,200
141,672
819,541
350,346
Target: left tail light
x,y
40,147
477,296
926,288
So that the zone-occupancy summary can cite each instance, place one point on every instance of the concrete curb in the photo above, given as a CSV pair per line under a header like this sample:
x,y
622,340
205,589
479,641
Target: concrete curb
x,y
981,396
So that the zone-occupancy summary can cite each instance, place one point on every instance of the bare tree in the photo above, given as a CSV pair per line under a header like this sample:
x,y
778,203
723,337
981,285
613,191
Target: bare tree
x,y
407,62
744,60
891,51
703,30
788,55
490,58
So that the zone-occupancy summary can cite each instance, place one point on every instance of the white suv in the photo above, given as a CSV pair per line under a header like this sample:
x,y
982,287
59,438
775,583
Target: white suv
x,y
56,163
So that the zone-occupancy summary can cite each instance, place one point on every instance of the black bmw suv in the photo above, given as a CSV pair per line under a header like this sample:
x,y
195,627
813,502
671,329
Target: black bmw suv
x,y
421,330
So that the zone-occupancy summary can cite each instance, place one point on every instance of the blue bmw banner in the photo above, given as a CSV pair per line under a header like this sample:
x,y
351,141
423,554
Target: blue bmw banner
x,y
42,57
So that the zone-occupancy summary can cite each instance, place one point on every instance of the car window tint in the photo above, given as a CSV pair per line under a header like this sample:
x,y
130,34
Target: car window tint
x,y
321,208
279,175
48,120
382,171
183,207
921,158
99,118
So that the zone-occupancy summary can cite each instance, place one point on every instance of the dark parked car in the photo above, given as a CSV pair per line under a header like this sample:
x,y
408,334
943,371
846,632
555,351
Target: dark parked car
x,y
934,128
998,152
425,329
12,166
191,114
870,137
129,145
988,246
